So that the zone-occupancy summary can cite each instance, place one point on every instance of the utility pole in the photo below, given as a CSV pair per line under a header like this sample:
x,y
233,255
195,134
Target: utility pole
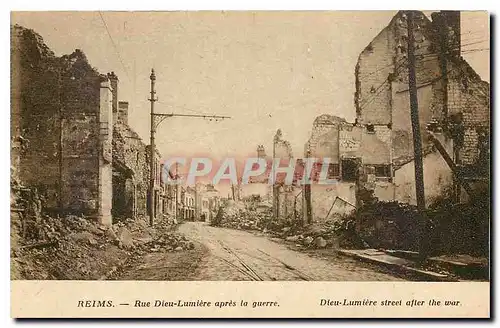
x,y
275,192
156,120
277,136
307,193
417,140
443,64
152,154
176,190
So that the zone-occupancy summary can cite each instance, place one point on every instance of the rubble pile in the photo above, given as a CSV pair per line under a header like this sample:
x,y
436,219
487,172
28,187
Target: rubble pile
x,y
78,248
66,248
236,216
323,234
389,225
461,228
168,242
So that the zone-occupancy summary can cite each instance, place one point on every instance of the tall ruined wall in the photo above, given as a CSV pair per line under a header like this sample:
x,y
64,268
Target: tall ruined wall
x,y
323,141
448,89
382,97
56,106
469,97
35,110
80,98
129,153
373,90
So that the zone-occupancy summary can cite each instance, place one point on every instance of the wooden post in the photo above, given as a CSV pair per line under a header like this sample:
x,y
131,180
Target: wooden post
x,y
417,140
152,151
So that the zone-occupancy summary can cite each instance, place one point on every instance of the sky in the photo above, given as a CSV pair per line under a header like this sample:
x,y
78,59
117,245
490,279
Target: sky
x,y
266,70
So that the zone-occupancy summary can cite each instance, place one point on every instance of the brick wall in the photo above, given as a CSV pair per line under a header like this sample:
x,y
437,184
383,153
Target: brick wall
x,y
372,97
324,137
470,96
382,97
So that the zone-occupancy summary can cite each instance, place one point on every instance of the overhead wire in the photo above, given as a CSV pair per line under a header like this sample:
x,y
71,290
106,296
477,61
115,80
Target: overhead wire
x,y
114,45
377,90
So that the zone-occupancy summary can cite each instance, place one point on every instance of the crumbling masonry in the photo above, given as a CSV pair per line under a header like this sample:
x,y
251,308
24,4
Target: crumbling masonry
x,y
70,136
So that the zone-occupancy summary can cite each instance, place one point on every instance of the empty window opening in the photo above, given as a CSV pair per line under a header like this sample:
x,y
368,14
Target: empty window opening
x,y
333,171
349,169
382,171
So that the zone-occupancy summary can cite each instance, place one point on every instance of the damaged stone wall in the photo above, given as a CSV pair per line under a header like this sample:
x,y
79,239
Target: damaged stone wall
x,y
131,162
371,147
381,96
437,176
324,196
371,72
331,137
35,113
402,145
324,137
449,93
469,99
56,108
80,97
290,202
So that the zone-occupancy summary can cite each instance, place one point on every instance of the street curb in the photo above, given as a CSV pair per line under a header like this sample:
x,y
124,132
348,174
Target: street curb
x,y
426,275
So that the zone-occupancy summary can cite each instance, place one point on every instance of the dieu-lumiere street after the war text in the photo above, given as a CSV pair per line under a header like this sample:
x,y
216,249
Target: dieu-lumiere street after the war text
x,y
410,156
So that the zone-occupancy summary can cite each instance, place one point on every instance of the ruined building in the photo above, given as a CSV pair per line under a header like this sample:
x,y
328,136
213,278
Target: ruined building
x,y
334,138
131,164
69,134
453,106
61,110
453,101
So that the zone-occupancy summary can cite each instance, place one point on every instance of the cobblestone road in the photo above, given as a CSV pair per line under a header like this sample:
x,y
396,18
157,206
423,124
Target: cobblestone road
x,y
239,255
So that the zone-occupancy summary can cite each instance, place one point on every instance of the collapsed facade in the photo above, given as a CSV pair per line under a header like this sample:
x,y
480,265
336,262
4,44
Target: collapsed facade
x,y
70,136
453,105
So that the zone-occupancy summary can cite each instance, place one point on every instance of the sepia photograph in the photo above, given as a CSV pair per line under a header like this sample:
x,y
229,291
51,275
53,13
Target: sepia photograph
x,y
264,146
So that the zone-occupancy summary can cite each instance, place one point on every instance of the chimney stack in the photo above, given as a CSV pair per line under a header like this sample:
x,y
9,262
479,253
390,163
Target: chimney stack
x,y
447,27
123,112
261,153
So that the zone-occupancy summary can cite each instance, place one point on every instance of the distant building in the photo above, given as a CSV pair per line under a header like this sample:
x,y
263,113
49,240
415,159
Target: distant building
x,y
188,203
212,195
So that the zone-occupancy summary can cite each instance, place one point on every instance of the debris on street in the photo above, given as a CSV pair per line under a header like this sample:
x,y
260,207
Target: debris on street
x,y
76,247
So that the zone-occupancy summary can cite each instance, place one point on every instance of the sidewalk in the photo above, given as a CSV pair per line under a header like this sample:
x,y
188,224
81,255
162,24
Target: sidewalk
x,y
443,268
